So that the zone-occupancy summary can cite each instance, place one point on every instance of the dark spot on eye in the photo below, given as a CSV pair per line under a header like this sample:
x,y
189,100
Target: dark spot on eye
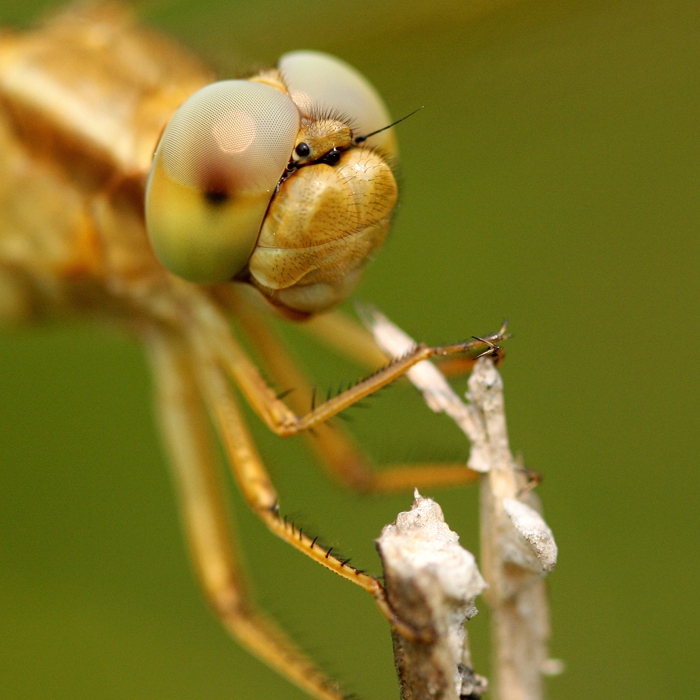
x,y
216,197
303,150
332,157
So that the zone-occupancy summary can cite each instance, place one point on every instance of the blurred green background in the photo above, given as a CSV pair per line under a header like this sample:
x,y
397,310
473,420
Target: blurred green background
x,y
552,178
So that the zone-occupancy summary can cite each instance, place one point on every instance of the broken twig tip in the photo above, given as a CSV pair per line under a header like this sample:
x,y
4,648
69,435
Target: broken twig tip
x,y
431,583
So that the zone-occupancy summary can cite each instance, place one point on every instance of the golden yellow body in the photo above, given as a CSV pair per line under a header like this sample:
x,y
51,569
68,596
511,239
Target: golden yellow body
x,y
83,103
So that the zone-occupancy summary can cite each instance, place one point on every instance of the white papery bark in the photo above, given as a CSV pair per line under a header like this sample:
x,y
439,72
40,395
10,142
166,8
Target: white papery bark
x,y
518,548
517,551
431,582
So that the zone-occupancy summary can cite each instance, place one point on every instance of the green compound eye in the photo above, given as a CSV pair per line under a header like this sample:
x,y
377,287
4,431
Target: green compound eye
x,y
214,173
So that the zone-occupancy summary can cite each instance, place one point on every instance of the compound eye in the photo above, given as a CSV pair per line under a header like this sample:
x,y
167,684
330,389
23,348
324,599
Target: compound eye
x,y
234,135
214,173
321,84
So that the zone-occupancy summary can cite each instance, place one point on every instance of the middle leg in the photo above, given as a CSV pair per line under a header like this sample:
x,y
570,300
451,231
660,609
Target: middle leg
x,y
256,486
205,521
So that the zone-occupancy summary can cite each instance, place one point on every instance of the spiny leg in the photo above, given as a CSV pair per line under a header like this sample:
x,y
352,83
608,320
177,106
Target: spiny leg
x,y
204,515
334,447
256,486
277,415
350,339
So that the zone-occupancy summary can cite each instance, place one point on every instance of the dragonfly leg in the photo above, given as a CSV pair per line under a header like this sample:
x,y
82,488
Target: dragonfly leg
x,y
276,414
344,335
204,515
256,486
334,447
350,339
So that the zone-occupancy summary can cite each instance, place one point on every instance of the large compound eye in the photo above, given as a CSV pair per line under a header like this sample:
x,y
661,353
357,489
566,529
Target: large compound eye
x,y
214,173
319,83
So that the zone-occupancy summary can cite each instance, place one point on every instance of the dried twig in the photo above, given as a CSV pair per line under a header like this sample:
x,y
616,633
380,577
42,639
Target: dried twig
x,y
431,581
518,548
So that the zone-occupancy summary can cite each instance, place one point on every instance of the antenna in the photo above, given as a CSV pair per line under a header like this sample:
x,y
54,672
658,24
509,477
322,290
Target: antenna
x,y
361,139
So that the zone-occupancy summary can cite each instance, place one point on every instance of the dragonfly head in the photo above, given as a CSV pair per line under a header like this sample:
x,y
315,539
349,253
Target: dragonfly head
x,y
283,181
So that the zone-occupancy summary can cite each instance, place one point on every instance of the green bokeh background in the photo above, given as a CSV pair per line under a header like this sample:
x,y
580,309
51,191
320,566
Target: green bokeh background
x,y
552,178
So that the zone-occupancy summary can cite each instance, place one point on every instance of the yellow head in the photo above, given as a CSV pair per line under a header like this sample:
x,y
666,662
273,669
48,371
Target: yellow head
x,y
274,181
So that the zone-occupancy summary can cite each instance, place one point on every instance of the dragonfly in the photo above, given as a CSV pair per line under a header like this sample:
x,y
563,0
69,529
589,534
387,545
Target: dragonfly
x,y
92,228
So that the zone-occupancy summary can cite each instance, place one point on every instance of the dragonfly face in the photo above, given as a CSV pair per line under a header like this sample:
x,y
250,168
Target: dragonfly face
x,y
274,181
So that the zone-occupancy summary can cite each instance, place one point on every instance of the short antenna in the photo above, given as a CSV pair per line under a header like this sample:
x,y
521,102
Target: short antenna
x,y
361,139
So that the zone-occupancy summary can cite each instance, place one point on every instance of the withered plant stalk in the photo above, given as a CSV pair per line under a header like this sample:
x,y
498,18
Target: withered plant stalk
x,y
432,581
